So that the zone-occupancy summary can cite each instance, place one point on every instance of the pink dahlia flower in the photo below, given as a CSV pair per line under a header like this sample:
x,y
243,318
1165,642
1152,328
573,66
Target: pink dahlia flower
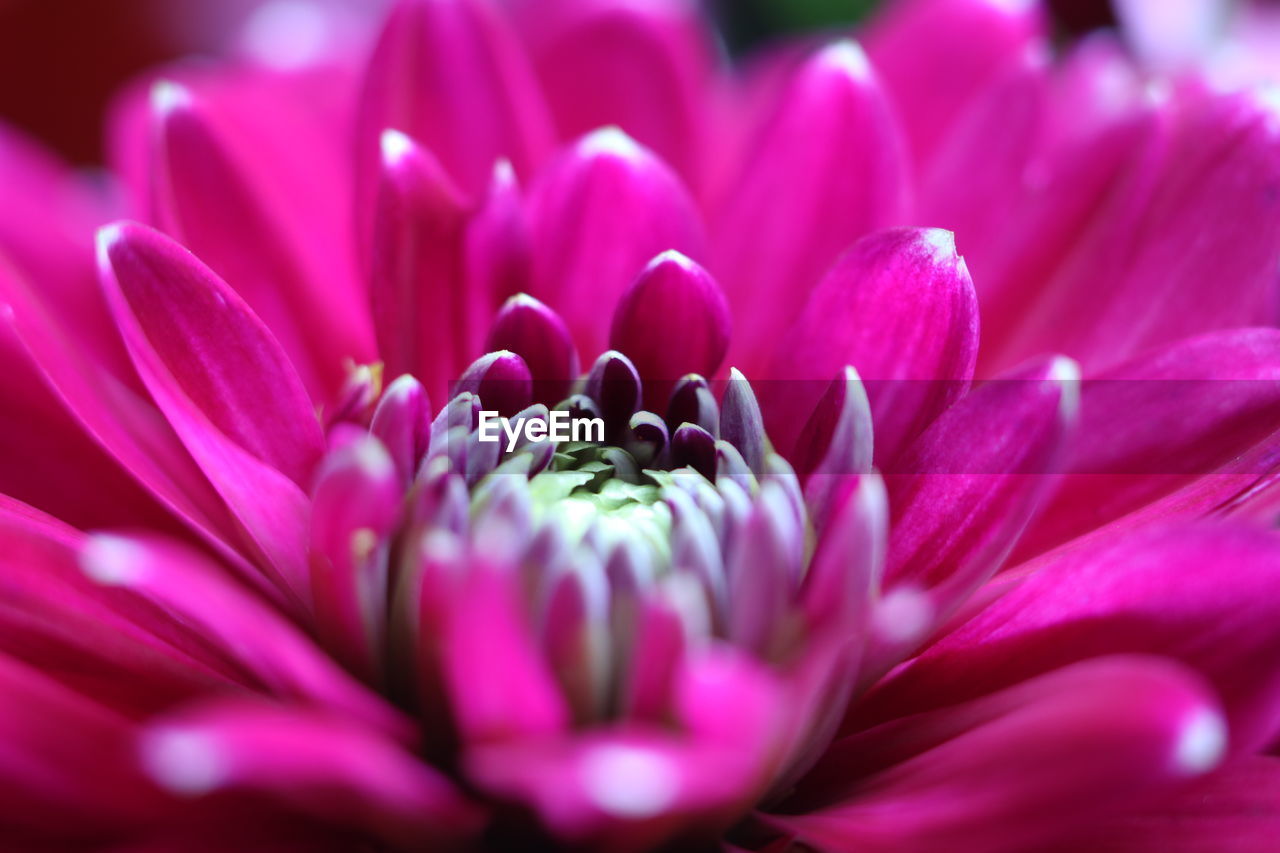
x,y
837,574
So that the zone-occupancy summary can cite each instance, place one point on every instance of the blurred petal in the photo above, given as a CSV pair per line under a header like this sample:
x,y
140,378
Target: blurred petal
x,y
309,762
452,75
264,214
649,65
420,310
1021,768
599,213
936,55
1199,594
827,168
534,332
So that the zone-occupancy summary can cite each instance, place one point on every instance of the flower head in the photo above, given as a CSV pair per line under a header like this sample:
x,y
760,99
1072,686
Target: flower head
x,y
833,571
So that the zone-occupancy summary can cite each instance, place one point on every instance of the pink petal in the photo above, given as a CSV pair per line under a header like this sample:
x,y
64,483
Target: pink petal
x,y
125,424
899,308
1231,811
355,508
304,761
498,683
1200,207
598,214
64,754
630,788
259,211
671,321
420,311
827,168
1151,426
936,55
1196,593
100,643
223,383
453,76
650,66
498,257
198,604
1025,767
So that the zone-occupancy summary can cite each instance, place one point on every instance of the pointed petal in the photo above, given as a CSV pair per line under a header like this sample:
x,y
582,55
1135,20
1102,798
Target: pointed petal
x,y
498,255
672,320
900,308
1154,424
598,214
500,380
964,491
741,423
828,168
248,206
452,75
202,607
310,762
936,55
1200,594
223,383
650,67
355,507
421,313
1025,767
402,422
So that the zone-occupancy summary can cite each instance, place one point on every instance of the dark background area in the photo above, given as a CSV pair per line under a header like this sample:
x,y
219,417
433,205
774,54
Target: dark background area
x,y
60,60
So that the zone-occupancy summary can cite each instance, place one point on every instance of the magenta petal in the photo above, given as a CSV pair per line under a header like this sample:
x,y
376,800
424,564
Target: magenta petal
x,y
224,384
741,423
598,214
1231,811
498,683
534,332
123,422
453,76
1188,412
1199,208
420,312
497,254
310,762
962,493
1201,594
900,308
848,560
356,505
650,67
402,422
249,210
65,754
195,599
219,354
828,168
1017,770
936,55
672,320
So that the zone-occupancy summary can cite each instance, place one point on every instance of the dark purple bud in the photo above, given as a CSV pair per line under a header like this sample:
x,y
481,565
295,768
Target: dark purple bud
x,y
501,380
672,320
649,438
692,402
615,386
693,446
534,332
